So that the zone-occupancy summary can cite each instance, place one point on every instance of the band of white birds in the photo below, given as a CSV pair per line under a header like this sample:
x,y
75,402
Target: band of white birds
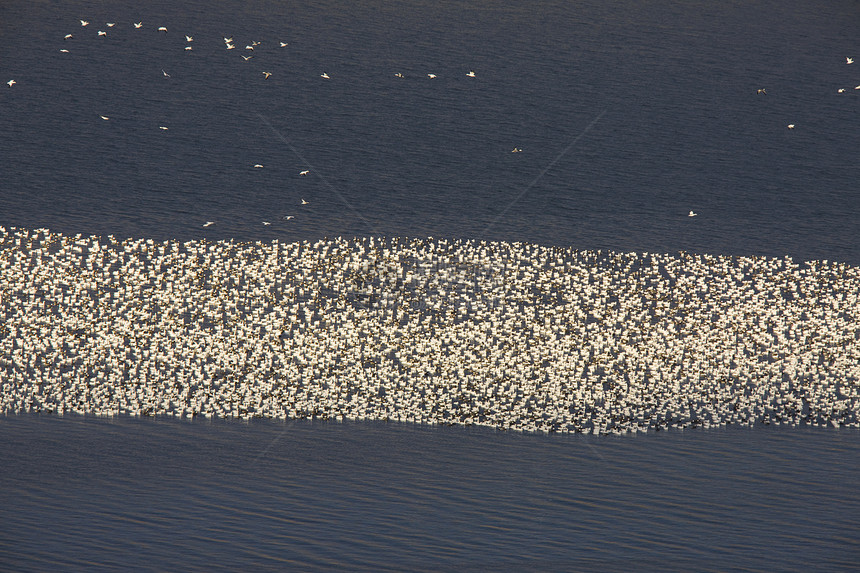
x,y
508,335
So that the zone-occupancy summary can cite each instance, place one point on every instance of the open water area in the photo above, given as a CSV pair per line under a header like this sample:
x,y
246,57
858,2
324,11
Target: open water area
x,y
627,117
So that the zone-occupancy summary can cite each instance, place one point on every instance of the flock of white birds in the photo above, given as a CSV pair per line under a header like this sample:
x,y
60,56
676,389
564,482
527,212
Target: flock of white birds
x,y
229,44
508,335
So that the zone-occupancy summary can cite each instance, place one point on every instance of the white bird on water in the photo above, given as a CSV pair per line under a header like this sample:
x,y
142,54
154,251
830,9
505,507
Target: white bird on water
x,y
84,23
68,37
692,214
471,74
288,217
849,60
324,75
138,24
102,33
104,117
790,126
258,166
431,76
11,83
304,202
110,24
162,28
246,58
166,75
284,44
266,223
162,127
267,74
208,223
305,172
189,39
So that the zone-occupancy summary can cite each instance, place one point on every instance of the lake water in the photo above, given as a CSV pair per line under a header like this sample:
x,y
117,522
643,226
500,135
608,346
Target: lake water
x,y
628,116
97,493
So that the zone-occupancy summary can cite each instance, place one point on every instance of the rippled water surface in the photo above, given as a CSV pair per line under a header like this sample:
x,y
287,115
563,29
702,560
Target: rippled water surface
x,y
628,115
89,492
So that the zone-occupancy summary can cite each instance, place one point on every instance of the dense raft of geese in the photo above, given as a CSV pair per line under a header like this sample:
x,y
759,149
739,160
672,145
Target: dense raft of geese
x,y
508,335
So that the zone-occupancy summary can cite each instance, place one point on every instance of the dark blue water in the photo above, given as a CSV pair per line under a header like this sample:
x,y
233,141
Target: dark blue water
x,y
165,494
682,126
629,115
